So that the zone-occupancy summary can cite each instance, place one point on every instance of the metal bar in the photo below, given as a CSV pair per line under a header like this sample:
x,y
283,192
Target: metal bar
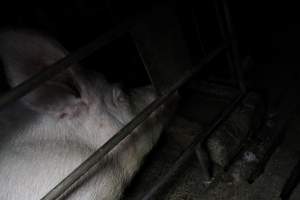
x,y
220,20
197,27
75,176
53,70
189,151
227,33
235,50
224,36
263,144
164,63
291,183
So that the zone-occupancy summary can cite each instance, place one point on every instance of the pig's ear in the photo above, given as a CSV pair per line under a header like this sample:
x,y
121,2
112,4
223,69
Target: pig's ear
x,y
23,54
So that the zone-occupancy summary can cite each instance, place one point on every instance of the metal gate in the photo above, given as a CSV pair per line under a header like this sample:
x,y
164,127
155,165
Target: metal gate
x,y
143,31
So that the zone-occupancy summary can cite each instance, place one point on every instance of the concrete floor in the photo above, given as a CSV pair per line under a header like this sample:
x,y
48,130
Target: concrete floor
x,y
195,113
272,77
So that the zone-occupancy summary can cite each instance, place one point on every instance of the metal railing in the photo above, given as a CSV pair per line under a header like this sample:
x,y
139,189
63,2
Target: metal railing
x,y
70,181
61,65
153,191
75,177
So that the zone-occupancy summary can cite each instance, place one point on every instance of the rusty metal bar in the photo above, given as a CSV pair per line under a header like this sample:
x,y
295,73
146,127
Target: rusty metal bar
x,y
151,194
53,70
71,181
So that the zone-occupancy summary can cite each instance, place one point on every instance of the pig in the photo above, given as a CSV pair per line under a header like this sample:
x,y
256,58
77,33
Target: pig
x,y
50,131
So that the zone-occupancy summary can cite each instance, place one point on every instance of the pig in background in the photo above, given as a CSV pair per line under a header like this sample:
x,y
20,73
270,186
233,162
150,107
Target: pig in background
x,y
50,131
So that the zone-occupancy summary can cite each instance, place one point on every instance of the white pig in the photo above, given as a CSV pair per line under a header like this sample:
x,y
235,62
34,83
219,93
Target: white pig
x,y
50,131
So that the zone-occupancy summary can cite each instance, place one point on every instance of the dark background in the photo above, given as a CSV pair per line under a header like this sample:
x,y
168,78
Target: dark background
x,y
267,31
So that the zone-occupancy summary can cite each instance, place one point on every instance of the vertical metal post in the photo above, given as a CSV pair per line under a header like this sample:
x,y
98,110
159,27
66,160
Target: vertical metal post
x,y
196,24
227,33
161,45
234,47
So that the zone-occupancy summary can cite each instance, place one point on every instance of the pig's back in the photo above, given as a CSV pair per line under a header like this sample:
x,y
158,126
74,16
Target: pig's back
x,y
31,162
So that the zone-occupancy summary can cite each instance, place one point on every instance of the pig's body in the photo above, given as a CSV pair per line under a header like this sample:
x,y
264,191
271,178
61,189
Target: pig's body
x,y
43,141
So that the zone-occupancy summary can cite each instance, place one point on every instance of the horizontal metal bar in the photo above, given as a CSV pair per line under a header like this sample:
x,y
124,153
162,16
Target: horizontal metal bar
x,y
70,181
53,70
189,151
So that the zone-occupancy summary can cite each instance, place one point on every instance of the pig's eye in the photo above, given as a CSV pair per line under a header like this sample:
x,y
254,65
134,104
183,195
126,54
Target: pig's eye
x,y
119,96
122,98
